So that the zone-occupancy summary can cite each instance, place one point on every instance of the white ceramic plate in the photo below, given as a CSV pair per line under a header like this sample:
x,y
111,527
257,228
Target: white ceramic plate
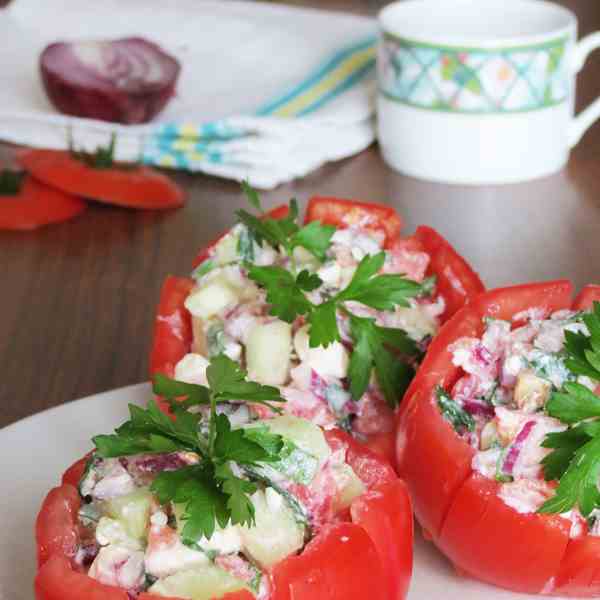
x,y
34,453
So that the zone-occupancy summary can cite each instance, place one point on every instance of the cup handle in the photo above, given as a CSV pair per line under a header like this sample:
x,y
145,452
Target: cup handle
x,y
587,117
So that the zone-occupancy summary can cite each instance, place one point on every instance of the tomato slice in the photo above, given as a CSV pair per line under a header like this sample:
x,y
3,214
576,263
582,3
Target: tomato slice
x,y
55,527
341,563
586,298
342,213
36,205
386,514
57,580
457,282
491,541
279,212
135,187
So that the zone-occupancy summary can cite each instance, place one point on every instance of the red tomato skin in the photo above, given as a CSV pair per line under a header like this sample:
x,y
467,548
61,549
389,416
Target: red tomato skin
x,y
579,573
57,580
341,563
493,542
456,281
341,212
433,461
371,468
55,526
37,205
465,518
586,298
384,512
367,562
136,187
279,212
72,476
172,326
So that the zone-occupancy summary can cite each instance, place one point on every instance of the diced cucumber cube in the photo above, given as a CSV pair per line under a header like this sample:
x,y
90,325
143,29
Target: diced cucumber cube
x,y
276,533
226,250
212,298
133,511
268,351
306,435
205,583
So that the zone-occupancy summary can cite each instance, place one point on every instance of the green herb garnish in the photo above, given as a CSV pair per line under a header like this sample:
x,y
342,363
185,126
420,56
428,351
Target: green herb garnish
x,y
211,491
575,456
285,233
457,416
287,296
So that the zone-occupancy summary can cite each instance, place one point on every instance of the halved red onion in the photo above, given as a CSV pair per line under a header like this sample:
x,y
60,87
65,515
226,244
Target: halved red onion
x,y
515,449
129,80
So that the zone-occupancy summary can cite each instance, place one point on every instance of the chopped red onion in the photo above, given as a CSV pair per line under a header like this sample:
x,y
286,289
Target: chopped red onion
x,y
318,386
475,407
129,80
516,447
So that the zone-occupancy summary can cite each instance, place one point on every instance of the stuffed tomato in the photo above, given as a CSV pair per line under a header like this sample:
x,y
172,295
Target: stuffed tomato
x,y
337,312
214,503
497,439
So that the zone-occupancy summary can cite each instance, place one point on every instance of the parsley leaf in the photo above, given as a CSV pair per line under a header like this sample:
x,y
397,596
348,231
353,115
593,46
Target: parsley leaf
x,y
209,491
583,351
315,238
284,294
382,292
246,446
579,483
323,325
370,352
575,456
308,281
238,493
575,403
251,195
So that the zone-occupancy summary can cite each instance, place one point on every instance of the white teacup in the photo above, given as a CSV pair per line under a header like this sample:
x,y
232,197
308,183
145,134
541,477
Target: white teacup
x,y
480,91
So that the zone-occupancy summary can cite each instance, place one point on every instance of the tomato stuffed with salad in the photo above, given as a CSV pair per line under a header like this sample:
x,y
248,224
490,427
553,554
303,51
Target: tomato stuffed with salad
x,y
337,311
499,443
213,502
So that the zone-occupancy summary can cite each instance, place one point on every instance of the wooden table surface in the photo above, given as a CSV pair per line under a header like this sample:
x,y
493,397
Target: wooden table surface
x,y
77,299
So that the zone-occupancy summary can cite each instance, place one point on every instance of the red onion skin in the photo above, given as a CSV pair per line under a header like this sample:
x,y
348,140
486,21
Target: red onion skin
x,y
97,99
516,447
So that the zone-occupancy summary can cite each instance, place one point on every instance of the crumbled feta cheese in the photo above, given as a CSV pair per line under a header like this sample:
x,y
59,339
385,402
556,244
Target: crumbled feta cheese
x,y
118,566
115,482
525,495
192,369
111,531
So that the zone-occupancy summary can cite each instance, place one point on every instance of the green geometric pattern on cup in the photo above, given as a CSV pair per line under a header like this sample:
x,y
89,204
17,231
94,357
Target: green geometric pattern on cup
x,y
473,80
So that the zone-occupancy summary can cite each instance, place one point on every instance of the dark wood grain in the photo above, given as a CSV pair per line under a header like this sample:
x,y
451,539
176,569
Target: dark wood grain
x,y
77,300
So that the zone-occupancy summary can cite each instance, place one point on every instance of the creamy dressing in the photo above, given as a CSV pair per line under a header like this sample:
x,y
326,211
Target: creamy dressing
x,y
313,380
136,544
509,375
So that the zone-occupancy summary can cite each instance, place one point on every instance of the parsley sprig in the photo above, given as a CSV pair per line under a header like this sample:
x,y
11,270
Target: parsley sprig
x,y
285,234
211,490
287,296
575,457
